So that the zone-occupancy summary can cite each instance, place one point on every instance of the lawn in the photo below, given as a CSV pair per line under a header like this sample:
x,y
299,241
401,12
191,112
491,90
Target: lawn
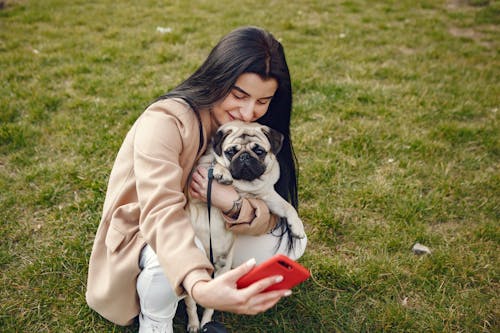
x,y
395,126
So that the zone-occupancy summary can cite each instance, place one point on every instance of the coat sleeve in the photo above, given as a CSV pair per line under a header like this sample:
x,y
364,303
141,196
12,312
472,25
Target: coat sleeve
x,y
254,218
164,223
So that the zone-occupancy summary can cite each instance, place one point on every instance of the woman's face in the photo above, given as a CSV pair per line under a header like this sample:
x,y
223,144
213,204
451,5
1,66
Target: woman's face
x,y
248,100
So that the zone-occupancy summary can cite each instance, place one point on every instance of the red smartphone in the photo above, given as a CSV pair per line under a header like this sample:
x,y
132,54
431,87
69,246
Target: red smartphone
x,y
293,273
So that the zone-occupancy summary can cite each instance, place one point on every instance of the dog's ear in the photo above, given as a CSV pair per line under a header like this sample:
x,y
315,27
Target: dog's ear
x,y
275,138
218,139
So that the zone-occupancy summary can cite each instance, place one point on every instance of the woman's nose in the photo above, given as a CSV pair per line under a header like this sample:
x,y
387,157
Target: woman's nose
x,y
247,112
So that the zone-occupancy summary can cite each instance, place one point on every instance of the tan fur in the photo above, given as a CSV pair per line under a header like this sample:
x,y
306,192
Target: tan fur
x,y
244,136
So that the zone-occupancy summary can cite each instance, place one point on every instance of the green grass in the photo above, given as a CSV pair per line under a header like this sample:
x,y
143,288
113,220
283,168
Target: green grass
x,y
396,127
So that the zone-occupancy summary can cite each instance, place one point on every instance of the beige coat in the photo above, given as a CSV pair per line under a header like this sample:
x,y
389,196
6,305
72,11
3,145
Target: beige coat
x,y
145,203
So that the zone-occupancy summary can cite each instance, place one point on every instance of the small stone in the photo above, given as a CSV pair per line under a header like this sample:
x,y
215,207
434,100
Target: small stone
x,y
420,249
164,30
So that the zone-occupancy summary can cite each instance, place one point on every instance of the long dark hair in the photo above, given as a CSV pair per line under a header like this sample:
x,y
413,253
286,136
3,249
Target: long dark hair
x,y
249,50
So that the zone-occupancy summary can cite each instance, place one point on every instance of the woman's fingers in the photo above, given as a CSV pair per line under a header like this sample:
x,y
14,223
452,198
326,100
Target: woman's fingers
x,y
193,193
261,285
221,293
202,172
265,301
198,186
256,300
233,275
260,302
255,288
222,195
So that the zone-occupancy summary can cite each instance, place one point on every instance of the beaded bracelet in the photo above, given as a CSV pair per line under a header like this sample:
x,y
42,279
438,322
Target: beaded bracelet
x,y
235,209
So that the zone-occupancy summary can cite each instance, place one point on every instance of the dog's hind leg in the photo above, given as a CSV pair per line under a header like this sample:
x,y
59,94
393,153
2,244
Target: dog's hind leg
x,y
207,316
191,309
225,265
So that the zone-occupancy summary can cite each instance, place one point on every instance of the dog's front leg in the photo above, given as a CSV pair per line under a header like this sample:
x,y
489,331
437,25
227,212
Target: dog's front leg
x,y
283,208
193,325
222,175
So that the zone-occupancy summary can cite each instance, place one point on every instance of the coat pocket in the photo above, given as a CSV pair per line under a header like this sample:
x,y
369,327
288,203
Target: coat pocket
x,y
113,239
123,226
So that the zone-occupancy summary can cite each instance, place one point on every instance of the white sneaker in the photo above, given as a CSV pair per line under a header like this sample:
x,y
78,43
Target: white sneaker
x,y
148,325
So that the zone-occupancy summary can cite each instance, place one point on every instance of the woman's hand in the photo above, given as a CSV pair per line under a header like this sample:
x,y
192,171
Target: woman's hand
x,y
222,195
221,293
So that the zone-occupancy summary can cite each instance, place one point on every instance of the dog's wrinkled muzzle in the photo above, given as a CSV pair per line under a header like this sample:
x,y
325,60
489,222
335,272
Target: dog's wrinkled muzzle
x,y
246,167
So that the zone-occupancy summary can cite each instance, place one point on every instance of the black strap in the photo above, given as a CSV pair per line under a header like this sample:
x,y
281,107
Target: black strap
x,y
209,205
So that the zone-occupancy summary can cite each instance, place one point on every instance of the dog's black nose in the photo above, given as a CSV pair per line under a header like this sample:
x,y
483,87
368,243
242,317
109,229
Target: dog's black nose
x,y
244,157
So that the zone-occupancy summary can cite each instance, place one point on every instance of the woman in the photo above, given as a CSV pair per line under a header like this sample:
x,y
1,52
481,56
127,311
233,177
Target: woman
x,y
145,256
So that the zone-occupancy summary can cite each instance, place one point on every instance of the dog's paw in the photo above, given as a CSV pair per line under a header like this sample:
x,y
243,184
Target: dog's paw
x,y
222,175
220,262
296,227
207,316
193,322
193,328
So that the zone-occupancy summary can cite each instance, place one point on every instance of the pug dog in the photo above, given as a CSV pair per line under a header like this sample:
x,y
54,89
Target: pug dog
x,y
244,155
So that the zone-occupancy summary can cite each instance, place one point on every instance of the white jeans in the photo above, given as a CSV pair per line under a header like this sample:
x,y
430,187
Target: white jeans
x,y
158,300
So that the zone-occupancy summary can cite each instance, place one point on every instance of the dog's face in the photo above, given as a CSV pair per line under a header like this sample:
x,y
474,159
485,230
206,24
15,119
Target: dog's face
x,y
247,150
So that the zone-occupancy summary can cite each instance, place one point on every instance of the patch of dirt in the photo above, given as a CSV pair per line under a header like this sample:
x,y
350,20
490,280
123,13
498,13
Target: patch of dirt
x,y
453,4
470,34
465,32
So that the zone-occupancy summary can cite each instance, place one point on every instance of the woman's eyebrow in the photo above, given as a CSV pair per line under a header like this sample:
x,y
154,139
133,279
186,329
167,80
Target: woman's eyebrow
x,y
244,92
241,90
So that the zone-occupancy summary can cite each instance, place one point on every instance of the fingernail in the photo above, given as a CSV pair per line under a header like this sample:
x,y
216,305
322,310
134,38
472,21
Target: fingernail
x,y
279,279
251,262
287,293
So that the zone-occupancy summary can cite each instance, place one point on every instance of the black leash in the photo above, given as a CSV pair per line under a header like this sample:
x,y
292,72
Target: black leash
x,y
212,326
209,205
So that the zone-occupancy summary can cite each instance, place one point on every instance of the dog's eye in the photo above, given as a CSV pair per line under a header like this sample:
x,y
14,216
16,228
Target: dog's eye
x,y
231,152
259,150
